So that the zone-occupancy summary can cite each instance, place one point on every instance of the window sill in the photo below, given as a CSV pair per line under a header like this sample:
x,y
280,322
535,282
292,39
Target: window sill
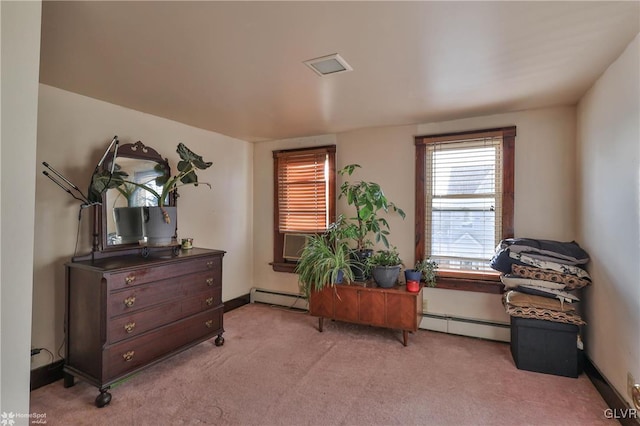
x,y
284,266
468,281
447,280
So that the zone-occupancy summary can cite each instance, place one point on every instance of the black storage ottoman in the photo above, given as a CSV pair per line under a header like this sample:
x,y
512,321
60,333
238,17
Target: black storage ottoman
x,y
546,347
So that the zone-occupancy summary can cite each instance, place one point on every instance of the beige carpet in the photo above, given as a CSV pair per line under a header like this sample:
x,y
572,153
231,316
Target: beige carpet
x,y
277,369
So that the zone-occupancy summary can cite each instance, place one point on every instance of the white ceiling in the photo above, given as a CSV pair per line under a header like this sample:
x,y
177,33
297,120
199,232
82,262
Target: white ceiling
x,y
237,67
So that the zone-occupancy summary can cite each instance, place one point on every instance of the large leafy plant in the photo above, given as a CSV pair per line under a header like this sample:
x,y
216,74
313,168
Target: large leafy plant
x,y
187,166
103,180
369,201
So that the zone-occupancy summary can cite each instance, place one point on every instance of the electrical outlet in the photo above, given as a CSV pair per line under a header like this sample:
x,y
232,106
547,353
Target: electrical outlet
x,y
424,305
630,383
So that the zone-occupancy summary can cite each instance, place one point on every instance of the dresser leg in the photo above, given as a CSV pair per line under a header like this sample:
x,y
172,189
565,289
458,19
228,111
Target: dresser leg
x,y
219,340
320,323
68,380
405,337
104,398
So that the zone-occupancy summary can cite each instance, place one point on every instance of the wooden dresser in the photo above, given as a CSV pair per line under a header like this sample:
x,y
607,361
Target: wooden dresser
x,y
126,313
368,304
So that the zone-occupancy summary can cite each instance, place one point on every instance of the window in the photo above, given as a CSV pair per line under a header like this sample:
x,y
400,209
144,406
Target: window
x,y
464,202
140,197
304,196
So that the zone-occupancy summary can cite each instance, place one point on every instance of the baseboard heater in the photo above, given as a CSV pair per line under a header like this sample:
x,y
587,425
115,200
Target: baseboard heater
x,y
436,322
471,327
280,298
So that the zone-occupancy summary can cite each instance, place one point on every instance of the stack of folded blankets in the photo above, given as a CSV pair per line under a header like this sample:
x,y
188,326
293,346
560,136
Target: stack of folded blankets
x,y
541,278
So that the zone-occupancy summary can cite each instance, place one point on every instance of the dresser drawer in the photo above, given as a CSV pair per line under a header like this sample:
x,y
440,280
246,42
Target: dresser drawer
x,y
149,274
128,355
130,325
132,299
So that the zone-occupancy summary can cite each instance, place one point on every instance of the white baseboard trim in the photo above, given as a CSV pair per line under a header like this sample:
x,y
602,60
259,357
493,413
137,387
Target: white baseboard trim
x,y
435,322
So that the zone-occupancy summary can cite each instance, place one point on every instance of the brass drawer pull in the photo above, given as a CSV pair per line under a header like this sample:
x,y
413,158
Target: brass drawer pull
x,y
129,327
210,264
128,356
129,279
129,301
209,282
209,301
209,323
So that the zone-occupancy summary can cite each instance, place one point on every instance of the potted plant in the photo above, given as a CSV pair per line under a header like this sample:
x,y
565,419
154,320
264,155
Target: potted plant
x,y
325,260
369,201
423,270
385,266
428,270
160,220
129,220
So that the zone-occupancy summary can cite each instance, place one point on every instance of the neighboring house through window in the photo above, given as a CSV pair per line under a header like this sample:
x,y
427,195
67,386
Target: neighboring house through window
x,y
464,202
304,197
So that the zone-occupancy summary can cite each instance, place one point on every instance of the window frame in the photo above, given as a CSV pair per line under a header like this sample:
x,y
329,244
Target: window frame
x,y
280,264
485,282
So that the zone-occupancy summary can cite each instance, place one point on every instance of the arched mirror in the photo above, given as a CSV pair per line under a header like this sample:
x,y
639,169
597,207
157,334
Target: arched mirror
x,y
120,217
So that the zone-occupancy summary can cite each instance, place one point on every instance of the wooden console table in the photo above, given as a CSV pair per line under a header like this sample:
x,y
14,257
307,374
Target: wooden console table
x,y
361,303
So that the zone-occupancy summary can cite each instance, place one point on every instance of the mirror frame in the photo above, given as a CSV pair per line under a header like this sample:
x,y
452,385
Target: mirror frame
x,y
135,151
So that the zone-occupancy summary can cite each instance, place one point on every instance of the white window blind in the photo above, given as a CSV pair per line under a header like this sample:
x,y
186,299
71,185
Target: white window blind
x,y
303,187
463,202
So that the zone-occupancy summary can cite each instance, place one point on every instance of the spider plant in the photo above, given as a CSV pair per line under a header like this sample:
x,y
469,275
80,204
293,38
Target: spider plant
x,y
325,260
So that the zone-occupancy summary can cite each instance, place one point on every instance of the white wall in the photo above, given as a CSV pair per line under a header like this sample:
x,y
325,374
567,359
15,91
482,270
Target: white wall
x,y
608,122
73,132
20,25
544,191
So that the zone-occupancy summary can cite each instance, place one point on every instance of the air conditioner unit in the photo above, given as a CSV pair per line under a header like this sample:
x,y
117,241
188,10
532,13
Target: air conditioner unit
x,y
293,246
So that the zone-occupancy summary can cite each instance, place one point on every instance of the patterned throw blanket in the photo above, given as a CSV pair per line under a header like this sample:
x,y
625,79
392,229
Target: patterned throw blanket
x,y
529,306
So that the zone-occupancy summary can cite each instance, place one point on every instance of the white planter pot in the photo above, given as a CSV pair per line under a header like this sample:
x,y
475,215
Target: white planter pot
x,y
157,230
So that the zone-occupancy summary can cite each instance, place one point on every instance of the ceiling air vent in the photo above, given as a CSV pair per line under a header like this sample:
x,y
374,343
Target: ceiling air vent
x,y
331,64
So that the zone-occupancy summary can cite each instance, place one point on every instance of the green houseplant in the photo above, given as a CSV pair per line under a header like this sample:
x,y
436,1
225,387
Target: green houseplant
x,y
187,166
385,266
428,269
128,220
369,202
160,220
424,270
325,260
127,190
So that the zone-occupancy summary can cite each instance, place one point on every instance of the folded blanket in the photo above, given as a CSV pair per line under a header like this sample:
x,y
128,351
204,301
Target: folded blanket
x,y
517,305
522,300
562,296
562,252
570,282
503,262
544,314
512,281
545,264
